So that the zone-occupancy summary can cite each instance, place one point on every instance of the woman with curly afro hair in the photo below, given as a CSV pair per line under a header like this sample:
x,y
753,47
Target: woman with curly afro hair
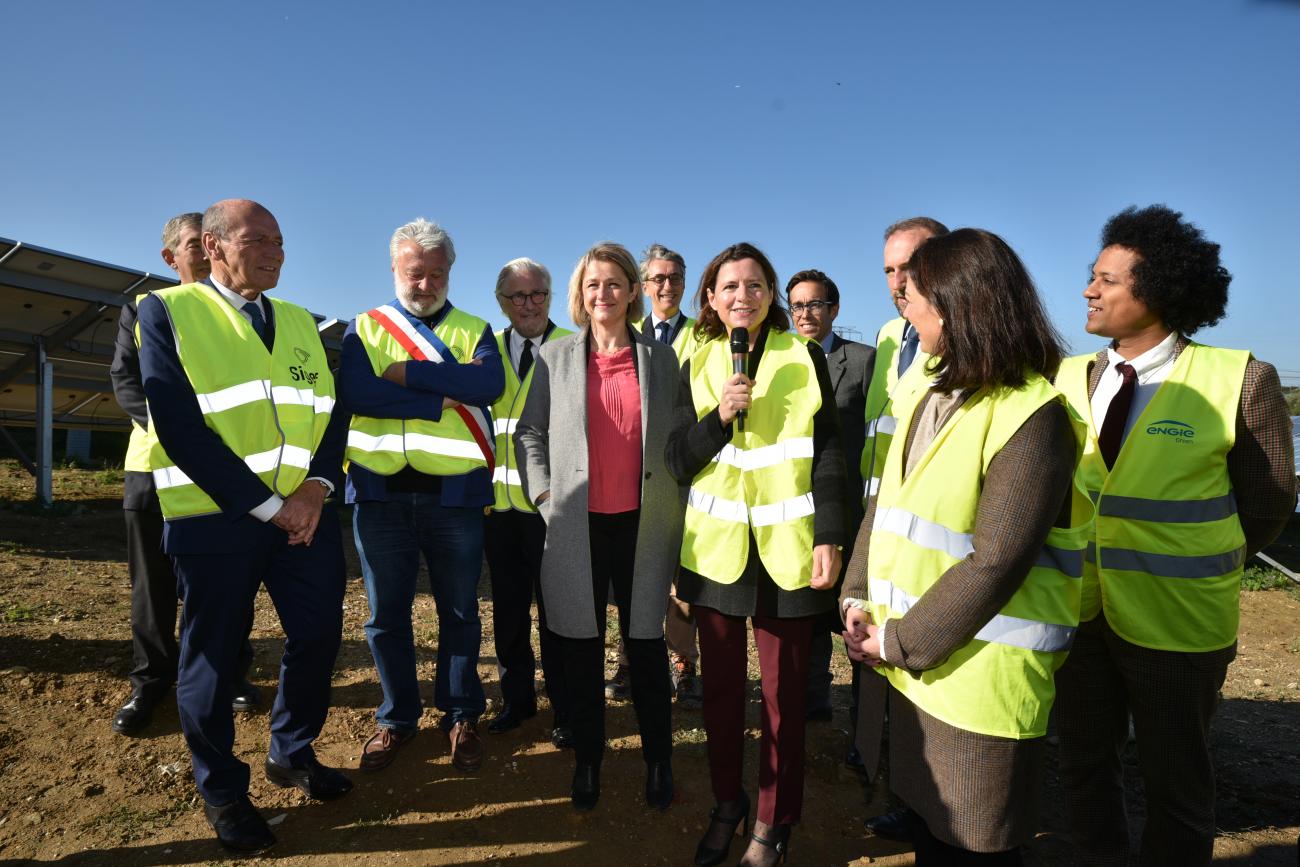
x,y
1189,459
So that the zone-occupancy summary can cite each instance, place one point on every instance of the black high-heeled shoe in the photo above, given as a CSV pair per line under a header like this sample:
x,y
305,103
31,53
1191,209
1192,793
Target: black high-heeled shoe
x,y
779,841
585,791
705,855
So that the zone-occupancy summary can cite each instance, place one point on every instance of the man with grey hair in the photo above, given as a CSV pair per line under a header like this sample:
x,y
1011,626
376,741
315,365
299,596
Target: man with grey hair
x,y
516,533
153,583
419,376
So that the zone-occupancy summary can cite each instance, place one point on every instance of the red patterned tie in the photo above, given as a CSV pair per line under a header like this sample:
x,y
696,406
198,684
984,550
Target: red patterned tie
x,y
1112,429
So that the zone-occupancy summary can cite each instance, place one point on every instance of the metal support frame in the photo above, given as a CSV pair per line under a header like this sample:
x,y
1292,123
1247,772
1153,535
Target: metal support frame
x,y
44,426
27,463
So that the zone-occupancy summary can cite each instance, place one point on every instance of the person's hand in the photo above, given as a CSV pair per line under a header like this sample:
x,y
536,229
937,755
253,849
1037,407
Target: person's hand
x,y
396,373
861,637
300,513
736,395
825,566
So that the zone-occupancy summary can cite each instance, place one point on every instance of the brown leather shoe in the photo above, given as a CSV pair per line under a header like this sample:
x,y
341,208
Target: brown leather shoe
x,y
381,749
466,748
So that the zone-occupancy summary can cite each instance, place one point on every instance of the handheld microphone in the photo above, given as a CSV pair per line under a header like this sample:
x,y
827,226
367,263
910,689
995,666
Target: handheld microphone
x,y
740,362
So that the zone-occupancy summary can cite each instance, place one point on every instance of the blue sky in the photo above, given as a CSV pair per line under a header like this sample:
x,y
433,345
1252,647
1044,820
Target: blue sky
x,y
538,129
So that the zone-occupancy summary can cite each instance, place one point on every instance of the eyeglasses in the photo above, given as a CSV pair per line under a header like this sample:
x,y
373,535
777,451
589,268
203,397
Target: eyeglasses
x,y
673,279
813,307
521,298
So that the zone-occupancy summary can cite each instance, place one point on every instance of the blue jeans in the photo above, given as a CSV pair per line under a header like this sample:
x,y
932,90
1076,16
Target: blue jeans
x,y
390,537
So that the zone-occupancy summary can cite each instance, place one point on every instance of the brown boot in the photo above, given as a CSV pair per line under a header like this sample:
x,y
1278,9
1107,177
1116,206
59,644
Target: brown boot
x,y
381,749
466,748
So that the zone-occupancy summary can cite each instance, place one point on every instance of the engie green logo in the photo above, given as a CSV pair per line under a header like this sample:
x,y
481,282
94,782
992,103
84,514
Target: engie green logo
x,y
1178,431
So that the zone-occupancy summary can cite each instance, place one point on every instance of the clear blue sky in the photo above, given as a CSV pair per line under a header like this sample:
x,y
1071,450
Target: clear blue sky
x,y
538,128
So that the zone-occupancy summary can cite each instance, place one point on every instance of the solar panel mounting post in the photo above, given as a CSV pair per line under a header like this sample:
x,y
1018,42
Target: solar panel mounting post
x,y
44,426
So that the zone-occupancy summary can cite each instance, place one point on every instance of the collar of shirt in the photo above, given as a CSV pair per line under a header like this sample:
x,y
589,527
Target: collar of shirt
x,y
828,343
671,320
235,300
515,344
1148,364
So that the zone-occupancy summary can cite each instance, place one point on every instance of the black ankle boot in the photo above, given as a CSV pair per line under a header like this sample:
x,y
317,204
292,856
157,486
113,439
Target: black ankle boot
x,y
585,791
659,785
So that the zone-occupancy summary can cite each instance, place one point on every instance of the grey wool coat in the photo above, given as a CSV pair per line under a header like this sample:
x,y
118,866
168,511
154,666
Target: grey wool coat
x,y
551,442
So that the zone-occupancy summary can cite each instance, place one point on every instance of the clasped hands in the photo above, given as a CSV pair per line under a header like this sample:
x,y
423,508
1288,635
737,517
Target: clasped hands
x,y
396,373
861,637
300,513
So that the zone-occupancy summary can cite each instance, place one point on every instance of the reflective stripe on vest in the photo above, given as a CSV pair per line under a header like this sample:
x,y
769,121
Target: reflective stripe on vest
x,y
881,422
448,447
254,400
761,482
1168,552
1000,682
507,484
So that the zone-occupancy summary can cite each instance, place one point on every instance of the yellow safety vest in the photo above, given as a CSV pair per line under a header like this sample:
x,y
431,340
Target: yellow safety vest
x,y
142,439
1167,557
762,479
1001,681
269,408
506,484
880,414
445,447
685,344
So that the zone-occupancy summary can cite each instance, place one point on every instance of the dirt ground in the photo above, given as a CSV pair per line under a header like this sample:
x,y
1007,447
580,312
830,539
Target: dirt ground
x,y
73,792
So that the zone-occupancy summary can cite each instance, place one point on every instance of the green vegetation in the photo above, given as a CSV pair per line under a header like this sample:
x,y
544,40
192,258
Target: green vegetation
x,y
1292,400
1263,578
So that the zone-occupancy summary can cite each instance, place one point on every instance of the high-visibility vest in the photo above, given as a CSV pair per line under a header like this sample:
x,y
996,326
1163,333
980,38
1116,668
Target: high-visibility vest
x,y
1001,681
142,439
685,344
447,447
1167,558
269,408
506,484
880,414
762,479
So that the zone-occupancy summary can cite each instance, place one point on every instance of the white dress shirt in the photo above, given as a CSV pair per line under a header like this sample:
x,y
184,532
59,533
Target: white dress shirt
x,y
1152,368
515,347
267,510
671,320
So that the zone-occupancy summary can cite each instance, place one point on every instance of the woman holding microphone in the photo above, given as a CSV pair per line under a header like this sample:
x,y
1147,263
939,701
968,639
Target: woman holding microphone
x,y
963,590
591,441
756,436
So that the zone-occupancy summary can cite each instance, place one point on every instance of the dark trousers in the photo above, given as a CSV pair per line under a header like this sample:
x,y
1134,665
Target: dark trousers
x,y
822,646
305,584
613,551
933,852
783,664
513,543
1171,697
155,653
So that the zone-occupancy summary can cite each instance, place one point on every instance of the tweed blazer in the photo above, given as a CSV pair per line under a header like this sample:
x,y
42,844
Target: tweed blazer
x,y
1261,463
551,442
850,364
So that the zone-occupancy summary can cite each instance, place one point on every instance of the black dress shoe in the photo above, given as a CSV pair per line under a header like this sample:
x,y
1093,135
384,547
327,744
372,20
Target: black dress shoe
x,y
511,717
894,825
239,826
562,737
247,698
133,716
659,785
585,791
315,780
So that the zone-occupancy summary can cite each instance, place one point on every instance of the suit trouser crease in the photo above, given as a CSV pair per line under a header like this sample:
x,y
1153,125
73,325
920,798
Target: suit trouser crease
x,y
391,536
783,664
1171,697
305,584
513,543
613,553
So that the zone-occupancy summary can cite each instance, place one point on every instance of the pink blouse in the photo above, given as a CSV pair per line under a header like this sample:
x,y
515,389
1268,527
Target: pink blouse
x,y
613,433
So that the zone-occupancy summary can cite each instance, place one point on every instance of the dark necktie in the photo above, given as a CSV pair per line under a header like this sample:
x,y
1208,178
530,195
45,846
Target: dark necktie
x,y
525,360
1112,429
259,324
662,328
907,351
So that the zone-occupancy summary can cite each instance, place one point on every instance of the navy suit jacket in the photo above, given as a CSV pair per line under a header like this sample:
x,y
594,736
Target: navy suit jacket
x,y
204,457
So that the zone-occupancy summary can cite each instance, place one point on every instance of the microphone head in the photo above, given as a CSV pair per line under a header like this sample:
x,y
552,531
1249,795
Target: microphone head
x,y
740,340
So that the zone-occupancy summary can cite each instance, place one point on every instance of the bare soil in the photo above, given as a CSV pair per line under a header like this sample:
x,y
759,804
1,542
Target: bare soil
x,y
73,792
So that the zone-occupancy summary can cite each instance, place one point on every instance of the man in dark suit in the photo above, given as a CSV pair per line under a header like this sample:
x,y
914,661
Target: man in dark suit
x,y
814,305
250,444
153,585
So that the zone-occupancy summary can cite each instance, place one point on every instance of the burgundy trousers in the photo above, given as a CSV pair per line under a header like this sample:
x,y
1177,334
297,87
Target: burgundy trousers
x,y
783,645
